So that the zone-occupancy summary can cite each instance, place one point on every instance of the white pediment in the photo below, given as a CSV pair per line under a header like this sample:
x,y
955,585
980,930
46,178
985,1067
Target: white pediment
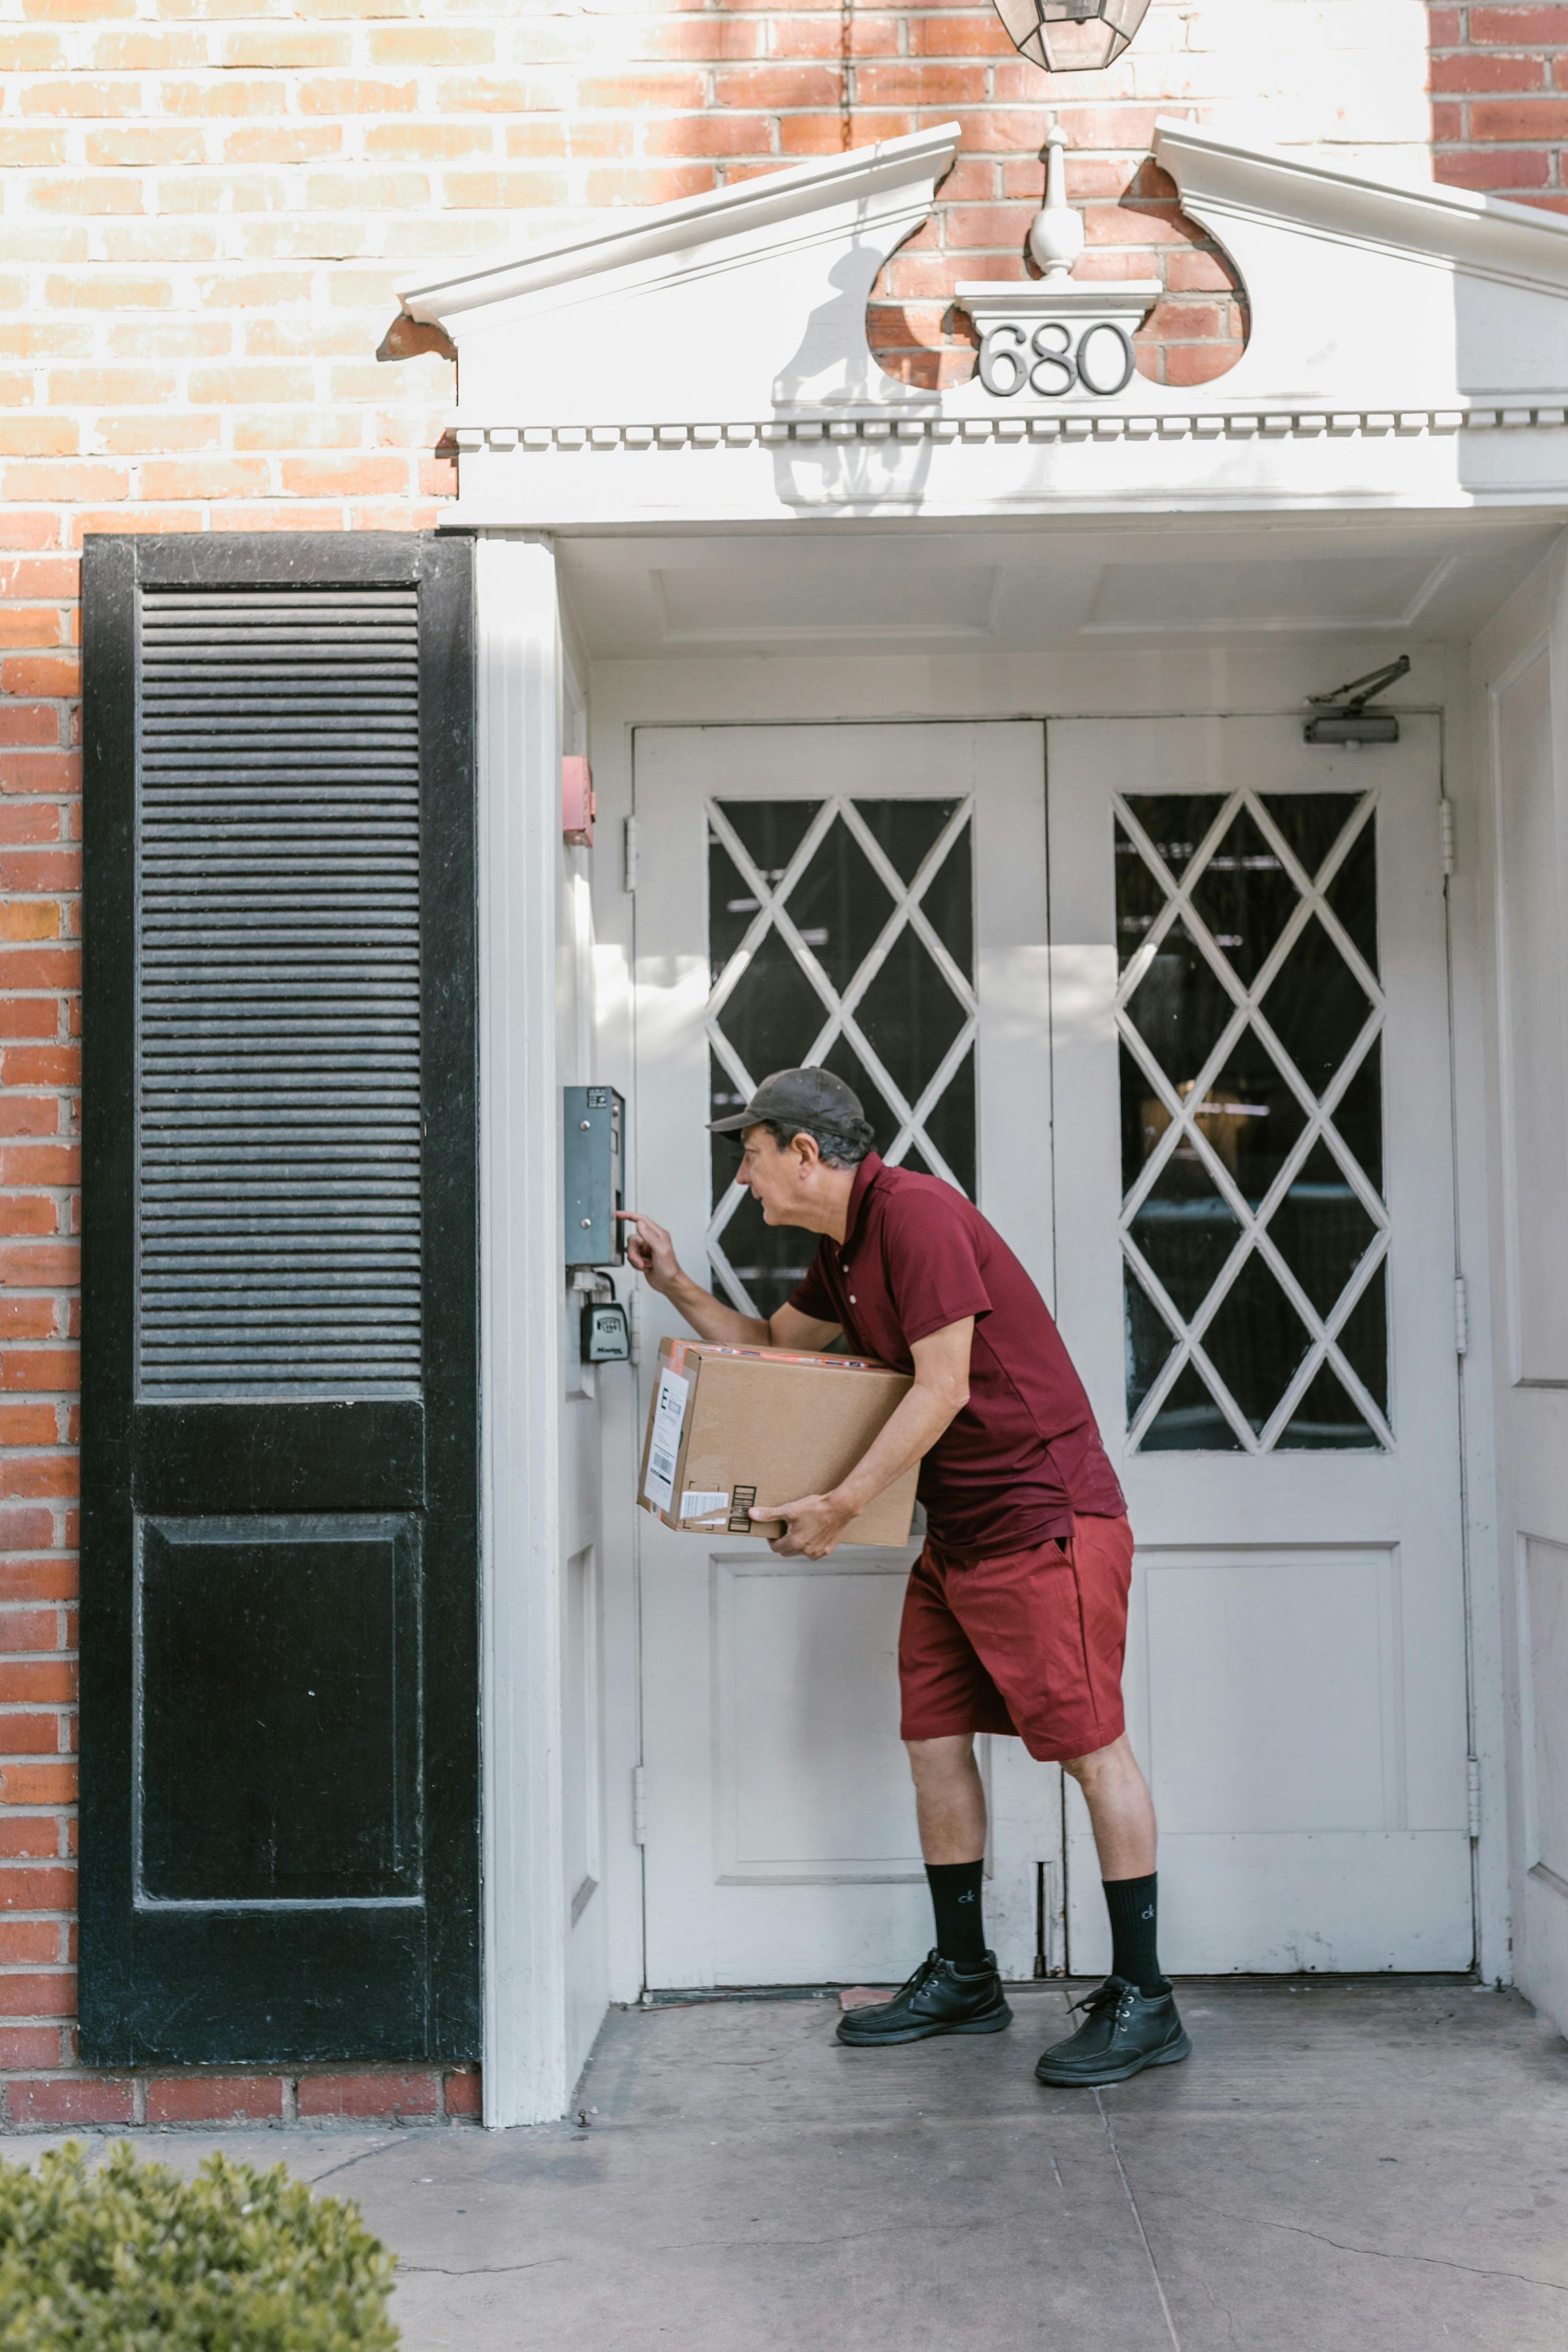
x,y
1407,345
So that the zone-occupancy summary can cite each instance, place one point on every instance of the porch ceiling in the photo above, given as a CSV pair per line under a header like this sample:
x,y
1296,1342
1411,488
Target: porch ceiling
x,y
1435,578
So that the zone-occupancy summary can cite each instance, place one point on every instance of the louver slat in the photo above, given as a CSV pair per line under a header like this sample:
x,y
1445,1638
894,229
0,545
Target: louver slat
x,y
279,1031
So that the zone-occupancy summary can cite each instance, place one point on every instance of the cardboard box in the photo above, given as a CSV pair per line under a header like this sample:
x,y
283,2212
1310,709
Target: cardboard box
x,y
728,1427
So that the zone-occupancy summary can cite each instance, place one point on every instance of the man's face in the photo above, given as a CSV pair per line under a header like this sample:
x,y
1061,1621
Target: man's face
x,y
773,1173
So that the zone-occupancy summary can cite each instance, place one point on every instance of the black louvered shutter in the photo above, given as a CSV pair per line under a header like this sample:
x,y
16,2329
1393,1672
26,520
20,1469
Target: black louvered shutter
x,y
279,1321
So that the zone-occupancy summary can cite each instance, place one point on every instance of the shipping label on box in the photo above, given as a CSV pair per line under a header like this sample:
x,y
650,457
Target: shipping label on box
x,y
730,1427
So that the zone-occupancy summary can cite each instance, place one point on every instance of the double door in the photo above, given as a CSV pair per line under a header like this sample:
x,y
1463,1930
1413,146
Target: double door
x,y
1177,1022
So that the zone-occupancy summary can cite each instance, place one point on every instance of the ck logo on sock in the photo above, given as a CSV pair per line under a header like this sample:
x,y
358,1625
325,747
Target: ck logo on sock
x,y
969,1898
1150,1913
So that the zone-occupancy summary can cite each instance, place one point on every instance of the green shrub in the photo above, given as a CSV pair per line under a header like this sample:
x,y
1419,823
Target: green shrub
x,y
130,2258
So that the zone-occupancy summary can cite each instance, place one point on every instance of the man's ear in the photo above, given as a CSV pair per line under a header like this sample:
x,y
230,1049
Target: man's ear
x,y
805,1148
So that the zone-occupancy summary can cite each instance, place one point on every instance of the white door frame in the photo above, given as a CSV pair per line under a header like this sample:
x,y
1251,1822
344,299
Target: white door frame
x,y
525,2045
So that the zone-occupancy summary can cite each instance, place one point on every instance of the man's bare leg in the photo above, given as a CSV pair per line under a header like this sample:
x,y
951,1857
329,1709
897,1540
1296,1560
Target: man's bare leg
x,y
949,1798
1120,1809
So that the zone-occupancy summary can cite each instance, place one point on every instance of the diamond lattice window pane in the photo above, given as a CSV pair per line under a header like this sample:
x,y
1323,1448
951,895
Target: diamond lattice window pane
x,y
1176,823
1310,822
1244,896
1149,1343
1251,1117
1325,1419
910,1015
950,1123
1317,1007
772,1014
1352,895
1144,1118
771,830
732,906
1321,1229
1187,1230
839,904
905,831
1189,1422
1140,898
1358,1117
769,1260
948,904
1256,1341
845,1063
1181,1006
1363,1337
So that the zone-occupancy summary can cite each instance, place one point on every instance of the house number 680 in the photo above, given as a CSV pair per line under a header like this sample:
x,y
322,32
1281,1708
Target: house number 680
x,y
1005,366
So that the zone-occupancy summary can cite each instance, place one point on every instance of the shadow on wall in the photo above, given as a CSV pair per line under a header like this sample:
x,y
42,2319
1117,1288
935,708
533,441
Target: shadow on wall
x,y
1134,227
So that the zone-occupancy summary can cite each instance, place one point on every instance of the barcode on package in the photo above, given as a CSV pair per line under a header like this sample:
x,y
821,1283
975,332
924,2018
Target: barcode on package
x,y
664,1440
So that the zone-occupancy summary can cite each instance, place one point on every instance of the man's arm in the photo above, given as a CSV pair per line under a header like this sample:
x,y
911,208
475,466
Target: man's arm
x,y
815,1522
652,1253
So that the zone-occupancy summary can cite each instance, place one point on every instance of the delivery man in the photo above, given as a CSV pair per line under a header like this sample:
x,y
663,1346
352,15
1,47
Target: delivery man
x,y
1015,1616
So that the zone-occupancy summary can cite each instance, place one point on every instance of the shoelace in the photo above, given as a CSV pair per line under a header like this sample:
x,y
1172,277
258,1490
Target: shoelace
x,y
1114,1993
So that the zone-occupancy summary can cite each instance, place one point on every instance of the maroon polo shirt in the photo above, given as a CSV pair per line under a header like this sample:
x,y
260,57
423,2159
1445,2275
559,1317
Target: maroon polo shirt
x,y
1023,1455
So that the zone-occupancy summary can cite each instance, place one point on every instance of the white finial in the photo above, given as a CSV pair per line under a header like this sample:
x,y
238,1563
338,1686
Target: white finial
x,y
1056,233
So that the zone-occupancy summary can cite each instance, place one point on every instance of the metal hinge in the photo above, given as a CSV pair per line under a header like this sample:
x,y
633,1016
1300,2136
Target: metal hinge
x,y
629,853
640,1805
1461,1316
1473,1794
1445,832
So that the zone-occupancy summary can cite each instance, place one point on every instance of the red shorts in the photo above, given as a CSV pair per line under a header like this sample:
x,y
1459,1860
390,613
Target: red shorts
x,y
1029,1643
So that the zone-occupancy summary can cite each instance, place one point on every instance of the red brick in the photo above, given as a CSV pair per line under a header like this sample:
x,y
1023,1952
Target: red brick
x,y
27,1833
29,1629
464,2094
28,722
386,2096
29,1735
54,1476
1473,69
27,1424
37,1784
41,771
38,1889
1444,29
51,2106
19,1214
721,132
777,85
657,185
1520,118
37,1682
30,1943
1199,362
30,2045
1512,167
643,91
333,98
920,85
29,1115
1543,27
981,34
344,477
215,2099
41,1163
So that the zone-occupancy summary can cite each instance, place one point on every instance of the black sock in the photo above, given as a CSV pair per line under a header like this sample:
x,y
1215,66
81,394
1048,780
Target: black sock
x,y
1133,1905
955,1898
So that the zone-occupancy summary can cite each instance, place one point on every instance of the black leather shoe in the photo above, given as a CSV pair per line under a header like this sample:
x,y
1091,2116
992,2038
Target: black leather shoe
x,y
941,1996
1124,2031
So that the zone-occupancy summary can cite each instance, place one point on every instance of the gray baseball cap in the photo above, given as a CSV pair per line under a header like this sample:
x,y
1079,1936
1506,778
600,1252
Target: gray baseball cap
x,y
802,1098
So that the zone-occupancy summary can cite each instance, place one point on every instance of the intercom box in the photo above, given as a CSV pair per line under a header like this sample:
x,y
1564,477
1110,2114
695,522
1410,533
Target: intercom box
x,y
593,1128
728,1427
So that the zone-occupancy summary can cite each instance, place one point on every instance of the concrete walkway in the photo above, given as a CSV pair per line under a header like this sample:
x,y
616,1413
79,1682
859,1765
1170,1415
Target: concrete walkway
x,y
1342,2165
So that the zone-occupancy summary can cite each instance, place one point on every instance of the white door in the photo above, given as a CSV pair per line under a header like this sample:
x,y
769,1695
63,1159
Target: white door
x,y
871,897
1255,1277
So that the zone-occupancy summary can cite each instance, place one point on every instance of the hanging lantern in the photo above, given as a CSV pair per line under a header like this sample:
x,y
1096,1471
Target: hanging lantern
x,y
1071,35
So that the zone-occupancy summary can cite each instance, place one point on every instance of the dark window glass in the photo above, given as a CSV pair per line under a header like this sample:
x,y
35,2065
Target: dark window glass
x,y
905,831
1149,1343
839,905
1352,895
1324,1418
1317,1007
1189,1422
1139,899
1181,1006
1187,1230
1363,1337
1244,896
1321,1229
1310,822
1176,823
910,1015
1255,1343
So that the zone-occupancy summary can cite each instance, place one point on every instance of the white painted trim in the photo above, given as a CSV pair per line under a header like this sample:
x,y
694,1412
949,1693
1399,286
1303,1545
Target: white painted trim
x,y
651,232
1486,237
525,1916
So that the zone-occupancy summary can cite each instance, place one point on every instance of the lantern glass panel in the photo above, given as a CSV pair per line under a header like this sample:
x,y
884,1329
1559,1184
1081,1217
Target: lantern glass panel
x,y
1071,35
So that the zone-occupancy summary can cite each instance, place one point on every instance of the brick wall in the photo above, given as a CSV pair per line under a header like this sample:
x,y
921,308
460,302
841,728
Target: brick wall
x,y
1499,100
206,206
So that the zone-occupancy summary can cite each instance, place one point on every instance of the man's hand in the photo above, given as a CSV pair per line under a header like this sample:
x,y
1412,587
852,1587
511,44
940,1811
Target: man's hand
x,y
812,1525
650,1250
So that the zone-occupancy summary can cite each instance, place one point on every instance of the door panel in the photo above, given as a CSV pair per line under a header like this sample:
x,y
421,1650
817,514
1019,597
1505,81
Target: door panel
x,y
279,1526
875,902
1251,1036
